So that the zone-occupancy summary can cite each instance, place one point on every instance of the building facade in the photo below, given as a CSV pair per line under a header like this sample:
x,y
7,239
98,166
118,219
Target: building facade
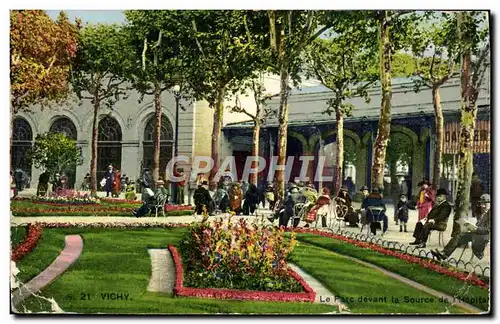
x,y
313,133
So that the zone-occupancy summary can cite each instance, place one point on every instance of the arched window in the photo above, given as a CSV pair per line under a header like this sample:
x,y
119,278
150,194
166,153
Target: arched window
x,y
166,142
109,146
64,126
21,142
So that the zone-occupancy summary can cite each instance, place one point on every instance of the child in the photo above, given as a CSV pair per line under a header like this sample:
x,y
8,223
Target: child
x,y
402,211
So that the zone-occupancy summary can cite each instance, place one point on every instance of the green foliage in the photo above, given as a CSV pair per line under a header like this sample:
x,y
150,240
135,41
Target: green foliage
x,y
237,256
155,45
104,59
219,50
403,65
349,150
55,152
399,149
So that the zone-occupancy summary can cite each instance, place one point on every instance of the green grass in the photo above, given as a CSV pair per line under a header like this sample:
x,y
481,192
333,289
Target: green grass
x,y
48,248
17,235
351,281
117,260
432,279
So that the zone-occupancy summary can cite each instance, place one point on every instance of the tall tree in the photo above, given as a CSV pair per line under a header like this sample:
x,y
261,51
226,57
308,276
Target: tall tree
x,y
256,86
347,66
99,75
217,56
474,49
156,46
440,39
290,31
392,28
41,51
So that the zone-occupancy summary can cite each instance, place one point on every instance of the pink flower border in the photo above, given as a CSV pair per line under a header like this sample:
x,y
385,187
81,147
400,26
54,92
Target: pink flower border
x,y
218,293
471,278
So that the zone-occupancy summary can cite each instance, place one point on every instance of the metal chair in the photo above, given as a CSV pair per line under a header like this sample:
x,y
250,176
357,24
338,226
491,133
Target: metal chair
x,y
377,217
340,213
160,204
440,238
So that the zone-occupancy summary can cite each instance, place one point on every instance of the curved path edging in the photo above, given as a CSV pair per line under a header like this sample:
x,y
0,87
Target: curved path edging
x,y
162,271
416,285
70,253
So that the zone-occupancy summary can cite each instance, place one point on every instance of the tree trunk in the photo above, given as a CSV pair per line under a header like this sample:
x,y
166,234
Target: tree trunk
x,y
93,160
157,133
282,129
255,151
340,151
216,133
384,125
467,125
438,113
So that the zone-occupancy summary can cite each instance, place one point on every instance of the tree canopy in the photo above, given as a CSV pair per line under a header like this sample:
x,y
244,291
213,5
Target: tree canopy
x,y
41,51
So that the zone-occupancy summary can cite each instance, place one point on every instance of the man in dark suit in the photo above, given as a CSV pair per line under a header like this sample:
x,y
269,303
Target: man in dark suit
x,y
437,219
202,198
479,235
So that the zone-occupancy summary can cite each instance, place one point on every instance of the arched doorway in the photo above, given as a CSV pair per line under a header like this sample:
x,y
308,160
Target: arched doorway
x,y
109,146
65,126
21,142
166,144
399,164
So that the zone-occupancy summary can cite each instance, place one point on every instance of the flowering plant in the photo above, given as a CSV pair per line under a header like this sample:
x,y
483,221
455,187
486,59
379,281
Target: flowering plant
x,y
52,200
30,241
307,296
238,256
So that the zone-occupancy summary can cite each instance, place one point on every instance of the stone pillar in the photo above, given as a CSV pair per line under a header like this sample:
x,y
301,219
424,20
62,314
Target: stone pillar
x,y
82,170
131,157
310,167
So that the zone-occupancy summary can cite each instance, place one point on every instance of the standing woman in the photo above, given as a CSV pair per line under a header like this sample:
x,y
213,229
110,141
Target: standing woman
x,y
108,176
425,199
116,184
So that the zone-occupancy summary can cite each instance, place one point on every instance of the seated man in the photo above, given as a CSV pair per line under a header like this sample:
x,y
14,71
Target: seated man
x,y
479,236
362,212
149,201
375,209
293,198
437,219
202,198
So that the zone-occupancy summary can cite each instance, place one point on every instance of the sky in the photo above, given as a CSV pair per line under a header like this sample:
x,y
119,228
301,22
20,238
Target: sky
x,y
92,16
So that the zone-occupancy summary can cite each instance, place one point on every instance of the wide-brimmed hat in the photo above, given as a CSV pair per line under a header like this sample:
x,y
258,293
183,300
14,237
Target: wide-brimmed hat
x,y
442,191
375,190
364,188
485,198
204,183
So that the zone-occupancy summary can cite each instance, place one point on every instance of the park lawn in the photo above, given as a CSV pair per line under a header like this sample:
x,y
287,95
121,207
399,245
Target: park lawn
x,y
17,235
432,279
351,281
48,248
117,260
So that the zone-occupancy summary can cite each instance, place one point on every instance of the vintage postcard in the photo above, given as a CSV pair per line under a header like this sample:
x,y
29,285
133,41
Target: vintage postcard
x,y
250,162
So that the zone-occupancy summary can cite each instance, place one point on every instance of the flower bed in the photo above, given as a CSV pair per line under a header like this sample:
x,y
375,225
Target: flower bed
x,y
425,263
29,243
121,225
308,296
92,210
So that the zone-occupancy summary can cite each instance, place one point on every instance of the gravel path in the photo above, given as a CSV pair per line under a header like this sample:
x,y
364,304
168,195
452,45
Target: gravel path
x,y
163,271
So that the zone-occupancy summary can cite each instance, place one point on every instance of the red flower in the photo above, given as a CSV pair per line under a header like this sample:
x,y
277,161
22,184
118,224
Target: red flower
x,y
29,243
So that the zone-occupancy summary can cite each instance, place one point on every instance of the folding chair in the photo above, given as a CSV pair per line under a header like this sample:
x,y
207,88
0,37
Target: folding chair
x,y
298,213
377,214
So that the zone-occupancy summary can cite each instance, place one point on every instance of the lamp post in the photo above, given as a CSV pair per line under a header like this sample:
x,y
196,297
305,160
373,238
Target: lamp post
x,y
177,96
